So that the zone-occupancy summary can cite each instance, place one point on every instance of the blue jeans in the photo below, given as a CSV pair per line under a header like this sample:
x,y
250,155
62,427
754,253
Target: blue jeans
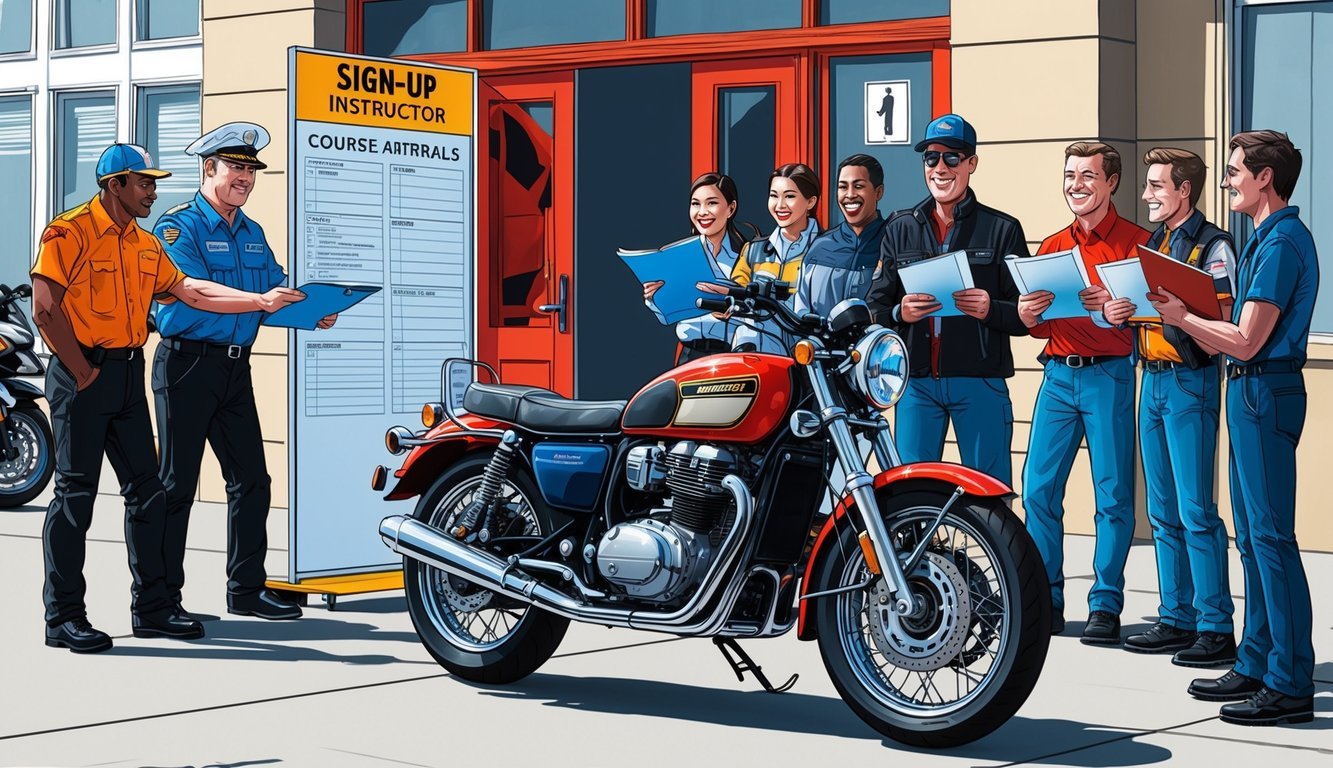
x,y
1265,416
983,422
1178,416
1097,401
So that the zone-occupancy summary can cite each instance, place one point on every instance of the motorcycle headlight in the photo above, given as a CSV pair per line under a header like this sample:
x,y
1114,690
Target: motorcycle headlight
x,y
880,375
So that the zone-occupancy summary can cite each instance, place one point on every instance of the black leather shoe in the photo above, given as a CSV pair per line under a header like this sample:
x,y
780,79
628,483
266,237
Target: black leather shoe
x,y
1233,686
264,604
167,623
1103,628
79,636
1161,638
1212,649
1057,621
1268,707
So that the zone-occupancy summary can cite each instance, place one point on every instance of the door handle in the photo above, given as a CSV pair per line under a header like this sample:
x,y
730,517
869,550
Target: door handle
x,y
560,310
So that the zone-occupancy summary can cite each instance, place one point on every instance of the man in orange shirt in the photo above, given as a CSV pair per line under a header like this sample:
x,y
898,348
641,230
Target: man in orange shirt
x,y
1087,389
94,281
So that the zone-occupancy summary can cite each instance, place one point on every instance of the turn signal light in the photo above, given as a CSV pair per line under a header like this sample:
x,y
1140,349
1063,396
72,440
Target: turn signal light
x,y
393,439
379,477
868,549
804,352
432,414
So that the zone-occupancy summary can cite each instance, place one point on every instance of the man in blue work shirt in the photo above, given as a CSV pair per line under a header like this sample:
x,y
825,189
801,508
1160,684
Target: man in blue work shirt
x,y
841,262
1265,344
201,373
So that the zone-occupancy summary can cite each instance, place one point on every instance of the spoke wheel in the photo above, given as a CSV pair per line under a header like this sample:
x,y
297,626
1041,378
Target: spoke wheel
x,y
472,631
969,654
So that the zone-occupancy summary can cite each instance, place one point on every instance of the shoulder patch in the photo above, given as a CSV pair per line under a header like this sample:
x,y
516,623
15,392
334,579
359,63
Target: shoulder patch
x,y
170,234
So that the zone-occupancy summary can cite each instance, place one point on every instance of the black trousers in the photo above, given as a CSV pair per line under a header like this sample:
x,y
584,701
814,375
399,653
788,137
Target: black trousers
x,y
210,398
111,417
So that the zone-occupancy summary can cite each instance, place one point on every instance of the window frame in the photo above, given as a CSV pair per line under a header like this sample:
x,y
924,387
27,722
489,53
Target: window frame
x,y
140,90
54,192
31,53
137,43
82,50
34,209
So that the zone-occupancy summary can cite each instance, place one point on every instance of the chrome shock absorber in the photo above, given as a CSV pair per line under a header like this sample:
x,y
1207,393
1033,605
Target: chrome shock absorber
x,y
491,478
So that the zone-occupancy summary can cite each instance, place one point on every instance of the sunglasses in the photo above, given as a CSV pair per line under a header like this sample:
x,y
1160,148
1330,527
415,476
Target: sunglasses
x,y
951,159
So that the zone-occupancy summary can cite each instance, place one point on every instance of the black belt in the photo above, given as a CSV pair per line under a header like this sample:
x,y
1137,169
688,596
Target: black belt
x,y
205,348
706,345
1272,366
1082,361
1157,366
99,355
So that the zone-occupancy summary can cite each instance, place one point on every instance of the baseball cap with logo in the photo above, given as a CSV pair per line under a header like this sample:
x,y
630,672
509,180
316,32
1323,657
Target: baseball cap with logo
x,y
951,131
127,158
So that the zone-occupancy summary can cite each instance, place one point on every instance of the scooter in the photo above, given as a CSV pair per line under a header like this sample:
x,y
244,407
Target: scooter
x,y
27,457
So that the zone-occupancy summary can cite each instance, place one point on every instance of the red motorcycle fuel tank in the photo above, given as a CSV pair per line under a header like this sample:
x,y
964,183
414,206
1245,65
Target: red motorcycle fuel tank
x,y
733,397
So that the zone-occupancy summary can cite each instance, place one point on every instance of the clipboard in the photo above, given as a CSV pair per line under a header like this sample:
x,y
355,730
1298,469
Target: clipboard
x,y
321,300
1194,287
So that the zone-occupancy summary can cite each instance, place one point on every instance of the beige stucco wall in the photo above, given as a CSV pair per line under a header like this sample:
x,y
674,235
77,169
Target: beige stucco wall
x,y
245,78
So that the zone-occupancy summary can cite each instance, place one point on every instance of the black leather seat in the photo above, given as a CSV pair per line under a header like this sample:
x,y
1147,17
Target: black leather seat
x,y
542,410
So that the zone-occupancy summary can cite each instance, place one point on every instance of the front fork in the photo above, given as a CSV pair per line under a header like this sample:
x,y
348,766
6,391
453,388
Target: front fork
x,y
861,486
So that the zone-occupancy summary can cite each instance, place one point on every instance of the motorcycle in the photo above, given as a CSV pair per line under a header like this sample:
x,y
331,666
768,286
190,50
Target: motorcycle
x,y
26,446
694,510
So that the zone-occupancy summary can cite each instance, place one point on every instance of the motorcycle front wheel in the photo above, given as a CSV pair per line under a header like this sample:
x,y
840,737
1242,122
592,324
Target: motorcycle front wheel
x,y
966,659
473,632
25,476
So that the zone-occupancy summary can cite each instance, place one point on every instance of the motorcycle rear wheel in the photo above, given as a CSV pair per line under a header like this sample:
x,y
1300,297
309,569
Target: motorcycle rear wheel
x,y
24,478
473,632
984,628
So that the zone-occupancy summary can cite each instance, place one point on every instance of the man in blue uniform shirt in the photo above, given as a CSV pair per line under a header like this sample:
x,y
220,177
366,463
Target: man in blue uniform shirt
x,y
841,262
1265,344
201,373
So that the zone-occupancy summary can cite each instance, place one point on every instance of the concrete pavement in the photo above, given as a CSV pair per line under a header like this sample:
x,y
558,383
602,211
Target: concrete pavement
x,y
365,693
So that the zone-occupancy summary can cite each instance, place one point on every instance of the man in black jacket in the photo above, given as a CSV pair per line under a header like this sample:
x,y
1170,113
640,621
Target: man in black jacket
x,y
959,362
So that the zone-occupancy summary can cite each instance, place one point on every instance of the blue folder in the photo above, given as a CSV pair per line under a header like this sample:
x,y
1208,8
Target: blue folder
x,y
321,300
679,265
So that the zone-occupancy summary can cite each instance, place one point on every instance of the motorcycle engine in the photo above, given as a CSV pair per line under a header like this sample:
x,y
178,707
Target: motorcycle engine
x,y
661,556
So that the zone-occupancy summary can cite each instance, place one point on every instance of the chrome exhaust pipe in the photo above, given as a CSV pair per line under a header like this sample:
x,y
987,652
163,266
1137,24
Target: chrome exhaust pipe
x,y
429,545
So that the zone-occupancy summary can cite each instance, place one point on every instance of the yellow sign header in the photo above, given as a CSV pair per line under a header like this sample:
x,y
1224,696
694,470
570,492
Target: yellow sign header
x,y
382,93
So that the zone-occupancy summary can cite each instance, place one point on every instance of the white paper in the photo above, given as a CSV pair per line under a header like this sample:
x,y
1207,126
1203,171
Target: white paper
x,y
940,277
1124,280
1062,273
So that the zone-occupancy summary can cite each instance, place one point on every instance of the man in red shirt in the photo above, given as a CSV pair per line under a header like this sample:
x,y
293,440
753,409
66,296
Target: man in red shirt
x,y
1087,389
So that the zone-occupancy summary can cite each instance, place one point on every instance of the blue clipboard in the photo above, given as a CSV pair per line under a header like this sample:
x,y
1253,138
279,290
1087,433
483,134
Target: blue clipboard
x,y
321,300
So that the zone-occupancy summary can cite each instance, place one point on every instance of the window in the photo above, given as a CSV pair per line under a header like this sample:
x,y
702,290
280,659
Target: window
x,y
683,17
162,19
15,26
1286,49
16,170
81,23
521,23
402,27
86,126
852,11
746,145
166,121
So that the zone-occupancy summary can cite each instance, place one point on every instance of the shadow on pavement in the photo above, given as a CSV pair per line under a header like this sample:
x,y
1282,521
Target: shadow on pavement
x,y
394,604
817,715
235,640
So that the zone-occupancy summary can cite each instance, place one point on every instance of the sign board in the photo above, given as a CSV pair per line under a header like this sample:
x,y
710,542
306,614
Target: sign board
x,y
381,184
888,112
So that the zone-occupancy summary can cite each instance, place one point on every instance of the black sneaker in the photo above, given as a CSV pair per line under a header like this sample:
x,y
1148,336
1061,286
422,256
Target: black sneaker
x,y
1161,638
1103,628
78,636
1212,649
1233,686
1057,621
1268,707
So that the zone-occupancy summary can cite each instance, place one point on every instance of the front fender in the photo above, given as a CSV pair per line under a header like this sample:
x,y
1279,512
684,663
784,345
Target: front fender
x,y
24,390
973,482
450,442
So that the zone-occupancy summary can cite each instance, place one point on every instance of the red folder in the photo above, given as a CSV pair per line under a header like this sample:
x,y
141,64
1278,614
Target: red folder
x,y
1191,285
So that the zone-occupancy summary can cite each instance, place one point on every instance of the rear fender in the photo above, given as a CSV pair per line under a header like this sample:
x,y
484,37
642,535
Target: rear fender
x,y
449,443
903,478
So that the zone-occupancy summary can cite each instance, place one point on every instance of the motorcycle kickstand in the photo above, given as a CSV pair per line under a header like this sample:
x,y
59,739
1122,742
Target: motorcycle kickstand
x,y
742,663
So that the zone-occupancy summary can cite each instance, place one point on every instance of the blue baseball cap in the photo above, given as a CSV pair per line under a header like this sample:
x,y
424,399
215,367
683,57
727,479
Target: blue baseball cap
x,y
127,158
951,131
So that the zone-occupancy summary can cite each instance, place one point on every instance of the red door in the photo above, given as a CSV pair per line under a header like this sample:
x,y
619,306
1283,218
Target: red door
x,y
748,120
525,228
